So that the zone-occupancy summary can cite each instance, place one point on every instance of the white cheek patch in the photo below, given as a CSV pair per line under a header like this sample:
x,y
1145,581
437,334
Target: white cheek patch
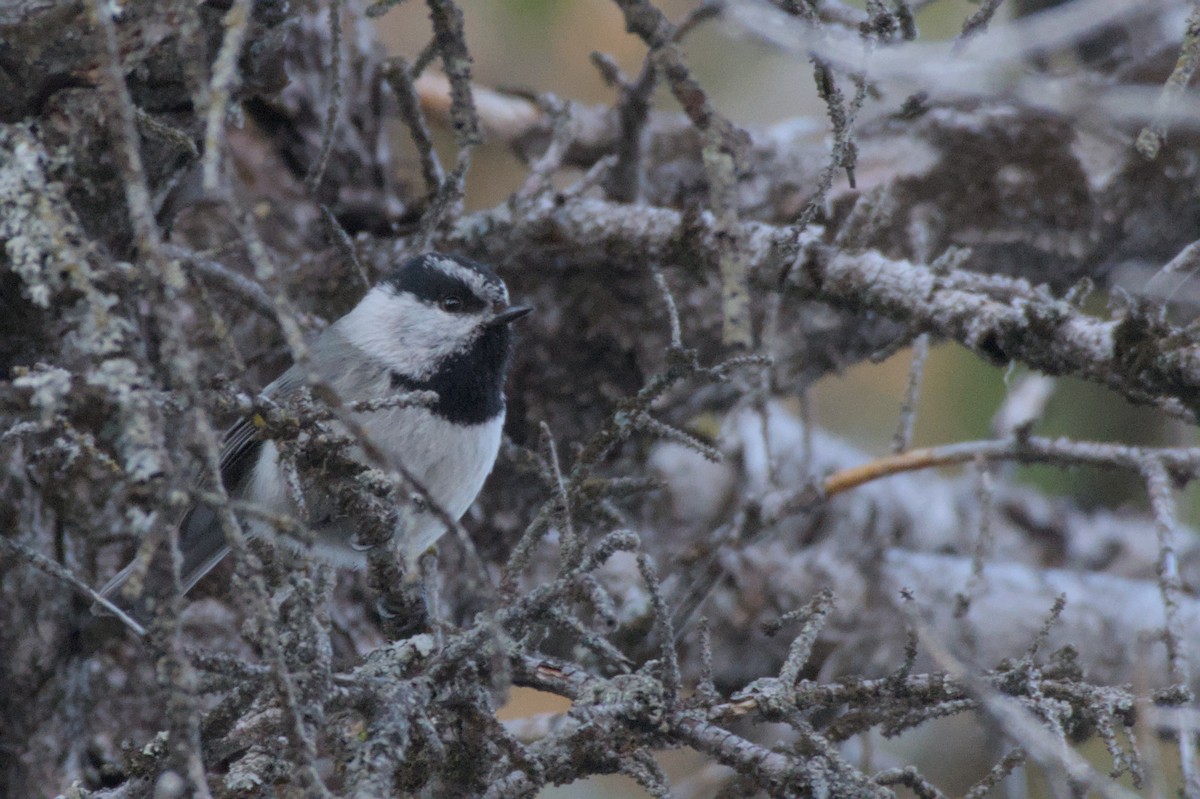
x,y
408,335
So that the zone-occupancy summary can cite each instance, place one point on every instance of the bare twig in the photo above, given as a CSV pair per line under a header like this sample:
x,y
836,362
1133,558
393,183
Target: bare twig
x,y
843,155
220,89
176,674
724,147
814,616
662,617
633,109
399,76
341,240
541,171
1051,751
451,43
1009,763
911,779
1177,271
1184,461
1158,486
902,439
246,290
1154,135
983,540
672,311
979,19
336,96
60,572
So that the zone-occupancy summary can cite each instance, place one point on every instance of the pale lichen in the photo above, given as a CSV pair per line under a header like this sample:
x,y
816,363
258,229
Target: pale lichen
x,y
40,242
50,386
98,330
45,245
143,453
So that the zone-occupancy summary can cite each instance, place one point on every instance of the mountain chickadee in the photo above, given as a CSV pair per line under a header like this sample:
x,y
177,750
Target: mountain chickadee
x,y
437,323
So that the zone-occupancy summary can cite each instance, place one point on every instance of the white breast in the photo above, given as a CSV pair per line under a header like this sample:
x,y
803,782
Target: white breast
x,y
450,461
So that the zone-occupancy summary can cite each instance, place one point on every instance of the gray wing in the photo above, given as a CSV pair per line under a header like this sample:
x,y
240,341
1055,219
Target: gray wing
x,y
201,539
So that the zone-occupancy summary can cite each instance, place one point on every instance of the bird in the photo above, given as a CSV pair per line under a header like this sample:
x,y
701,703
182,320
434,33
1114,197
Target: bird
x,y
436,322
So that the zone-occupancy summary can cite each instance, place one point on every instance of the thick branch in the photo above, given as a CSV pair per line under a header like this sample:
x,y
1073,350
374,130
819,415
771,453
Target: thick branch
x,y
1000,318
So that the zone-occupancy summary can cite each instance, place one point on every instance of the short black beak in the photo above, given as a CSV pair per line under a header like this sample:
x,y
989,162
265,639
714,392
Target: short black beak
x,y
510,314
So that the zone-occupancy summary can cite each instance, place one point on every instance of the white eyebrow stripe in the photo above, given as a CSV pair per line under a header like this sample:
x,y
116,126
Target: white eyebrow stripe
x,y
496,292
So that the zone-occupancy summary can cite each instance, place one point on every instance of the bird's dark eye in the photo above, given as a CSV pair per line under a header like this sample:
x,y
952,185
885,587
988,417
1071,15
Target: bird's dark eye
x,y
451,304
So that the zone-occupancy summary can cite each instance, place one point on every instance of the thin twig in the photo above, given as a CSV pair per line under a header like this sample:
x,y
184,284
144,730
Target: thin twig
x,y
978,21
572,545
539,182
724,146
842,157
1158,486
1183,462
1180,269
669,301
1051,751
902,439
1154,136
336,96
814,615
400,78
623,183
910,778
999,772
341,240
243,288
671,678
60,572
450,37
982,549
220,89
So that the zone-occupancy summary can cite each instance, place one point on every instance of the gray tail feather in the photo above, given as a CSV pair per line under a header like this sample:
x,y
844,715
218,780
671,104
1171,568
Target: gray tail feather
x,y
137,610
202,544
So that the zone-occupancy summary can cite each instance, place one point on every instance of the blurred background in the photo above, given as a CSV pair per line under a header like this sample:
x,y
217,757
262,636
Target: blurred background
x,y
543,46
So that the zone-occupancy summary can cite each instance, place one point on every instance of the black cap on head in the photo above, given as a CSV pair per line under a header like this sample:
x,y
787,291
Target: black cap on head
x,y
432,277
